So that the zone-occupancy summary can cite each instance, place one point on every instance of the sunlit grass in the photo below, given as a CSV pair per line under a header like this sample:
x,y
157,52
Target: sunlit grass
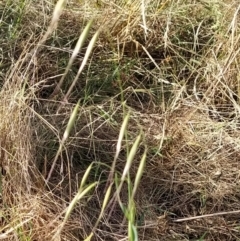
x,y
119,120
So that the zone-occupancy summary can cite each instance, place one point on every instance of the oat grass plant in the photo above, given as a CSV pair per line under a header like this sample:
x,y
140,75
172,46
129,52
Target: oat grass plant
x,y
119,120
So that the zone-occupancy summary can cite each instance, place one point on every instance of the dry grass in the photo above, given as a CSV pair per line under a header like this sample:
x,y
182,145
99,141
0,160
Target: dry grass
x,y
127,135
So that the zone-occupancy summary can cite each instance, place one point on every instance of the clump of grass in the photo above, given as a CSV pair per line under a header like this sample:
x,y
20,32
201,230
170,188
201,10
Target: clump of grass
x,y
129,132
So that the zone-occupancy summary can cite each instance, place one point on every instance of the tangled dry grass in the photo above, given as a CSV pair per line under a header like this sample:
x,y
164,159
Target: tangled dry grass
x,y
157,121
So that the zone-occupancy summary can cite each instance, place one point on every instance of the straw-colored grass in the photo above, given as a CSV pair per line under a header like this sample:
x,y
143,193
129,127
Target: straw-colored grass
x,y
119,120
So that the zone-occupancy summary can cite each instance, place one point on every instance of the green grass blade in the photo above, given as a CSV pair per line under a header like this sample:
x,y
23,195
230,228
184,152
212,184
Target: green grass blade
x,y
65,136
76,50
78,196
139,173
84,62
105,201
89,237
85,176
71,122
130,157
70,208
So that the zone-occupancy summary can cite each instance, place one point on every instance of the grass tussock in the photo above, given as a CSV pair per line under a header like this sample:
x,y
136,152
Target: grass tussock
x,y
119,120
